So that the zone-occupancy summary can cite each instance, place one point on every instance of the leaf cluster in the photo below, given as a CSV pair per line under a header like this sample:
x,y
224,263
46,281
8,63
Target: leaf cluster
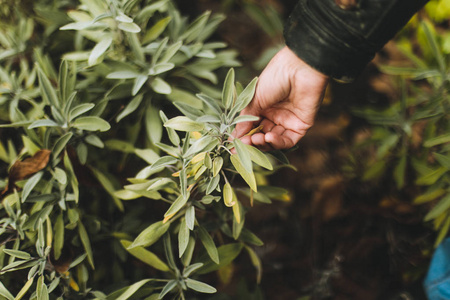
x,y
71,132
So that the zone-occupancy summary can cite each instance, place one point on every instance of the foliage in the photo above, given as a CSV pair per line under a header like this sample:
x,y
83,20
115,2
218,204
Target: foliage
x,y
75,221
411,137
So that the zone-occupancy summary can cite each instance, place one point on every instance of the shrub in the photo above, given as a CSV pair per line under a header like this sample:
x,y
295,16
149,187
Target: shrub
x,y
109,192
411,137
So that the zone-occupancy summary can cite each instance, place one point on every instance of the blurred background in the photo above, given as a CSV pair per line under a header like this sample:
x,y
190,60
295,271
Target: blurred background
x,y
353,227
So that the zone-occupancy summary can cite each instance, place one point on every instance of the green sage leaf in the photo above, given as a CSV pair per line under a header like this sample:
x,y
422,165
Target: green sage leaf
x,y
91,124
150,235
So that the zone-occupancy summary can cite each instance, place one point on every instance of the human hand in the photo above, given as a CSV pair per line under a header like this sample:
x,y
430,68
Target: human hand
x,y
287,98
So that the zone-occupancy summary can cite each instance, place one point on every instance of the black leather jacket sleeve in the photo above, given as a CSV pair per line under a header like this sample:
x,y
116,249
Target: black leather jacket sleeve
x,y
340,42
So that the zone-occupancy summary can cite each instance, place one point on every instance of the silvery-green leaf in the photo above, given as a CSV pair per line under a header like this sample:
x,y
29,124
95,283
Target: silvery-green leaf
x,y
76,55
199,286
206,54
237,221
211,103
60,176
192,268
200,145
185,97
120,145
228,89
155,31
173,136
66,80
244,98
217,165
129,27
183,238
126,195
200,72
102,17
229,198
160,68
94,140
188,110
153,124
208,119
132,289
148,155
57,116
48,93
167,288
245,118
145,256
259,157
168,149
99,50
209,245
150,235
124,18
91,124
183,183
249,177
125,74
17,253
161,184
196,27
30,184
239,88
243,154
200,172
176,206
79,110
182,123
164,161
43,123
171,51
86,243
24,289
190,217
61,143
160,86
58,240
160,48
131,107
138,83
76,26
212,185
247,94
207,161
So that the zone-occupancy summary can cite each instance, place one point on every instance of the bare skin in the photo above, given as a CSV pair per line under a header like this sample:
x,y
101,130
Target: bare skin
x,y
287,98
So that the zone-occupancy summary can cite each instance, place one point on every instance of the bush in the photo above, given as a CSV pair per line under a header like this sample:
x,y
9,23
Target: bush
x,y
409,141
108,191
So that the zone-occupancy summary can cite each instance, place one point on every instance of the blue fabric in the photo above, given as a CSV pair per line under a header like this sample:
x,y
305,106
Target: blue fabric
x,y
437,281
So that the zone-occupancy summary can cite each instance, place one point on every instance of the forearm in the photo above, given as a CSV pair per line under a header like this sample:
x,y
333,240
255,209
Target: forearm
x,y
341,42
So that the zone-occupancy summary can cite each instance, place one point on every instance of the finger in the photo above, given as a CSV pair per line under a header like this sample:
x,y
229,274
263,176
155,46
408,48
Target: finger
x,y
284,141
279,130
259,141
267,125
288,119
246,139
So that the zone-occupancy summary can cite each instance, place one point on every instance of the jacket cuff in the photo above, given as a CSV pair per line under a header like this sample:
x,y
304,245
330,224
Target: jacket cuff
x,y
341,42
322,50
